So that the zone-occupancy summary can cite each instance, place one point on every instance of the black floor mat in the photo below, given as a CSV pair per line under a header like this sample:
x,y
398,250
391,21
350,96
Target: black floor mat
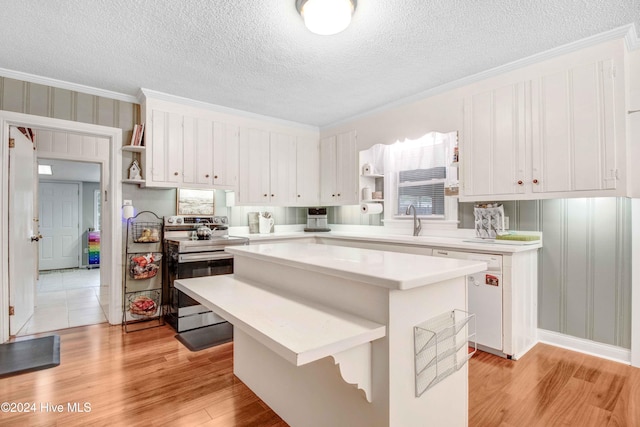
x,y
29,355
209,336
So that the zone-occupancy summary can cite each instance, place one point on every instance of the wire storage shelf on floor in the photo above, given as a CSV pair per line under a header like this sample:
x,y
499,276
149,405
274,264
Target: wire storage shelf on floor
x,y
142,277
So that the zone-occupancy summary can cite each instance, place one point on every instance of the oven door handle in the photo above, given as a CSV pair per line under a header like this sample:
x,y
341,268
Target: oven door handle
x,y
208,256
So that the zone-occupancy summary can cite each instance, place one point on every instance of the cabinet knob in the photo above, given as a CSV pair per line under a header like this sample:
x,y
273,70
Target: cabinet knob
x,y
338,194
265,194
215,176
520,182
298,195
273,195
535,181
333,195
206,176
176,173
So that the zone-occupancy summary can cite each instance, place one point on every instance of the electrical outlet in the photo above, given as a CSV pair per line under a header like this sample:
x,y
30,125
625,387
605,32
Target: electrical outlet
x,y
506,222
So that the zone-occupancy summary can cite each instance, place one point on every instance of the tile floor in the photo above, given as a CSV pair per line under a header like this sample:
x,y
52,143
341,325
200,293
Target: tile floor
x,y
65,299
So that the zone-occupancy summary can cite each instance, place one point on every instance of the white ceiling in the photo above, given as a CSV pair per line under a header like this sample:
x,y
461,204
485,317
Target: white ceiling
x,y
257,56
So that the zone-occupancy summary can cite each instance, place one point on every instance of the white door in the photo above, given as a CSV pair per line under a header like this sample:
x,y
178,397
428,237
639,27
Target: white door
x,y
59,225
23,225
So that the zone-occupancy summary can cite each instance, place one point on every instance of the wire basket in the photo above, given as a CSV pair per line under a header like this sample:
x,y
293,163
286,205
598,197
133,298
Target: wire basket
x,y
144,304
144,266
145,232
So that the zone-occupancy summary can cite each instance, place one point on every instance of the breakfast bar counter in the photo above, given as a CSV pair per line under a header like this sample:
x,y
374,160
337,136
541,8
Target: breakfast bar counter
x,y
325,334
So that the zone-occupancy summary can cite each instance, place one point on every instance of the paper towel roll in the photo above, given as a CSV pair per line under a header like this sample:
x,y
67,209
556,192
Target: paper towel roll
x,y
371,208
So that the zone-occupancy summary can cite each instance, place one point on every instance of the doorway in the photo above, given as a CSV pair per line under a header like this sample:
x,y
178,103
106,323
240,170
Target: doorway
x,y
84,143
67,292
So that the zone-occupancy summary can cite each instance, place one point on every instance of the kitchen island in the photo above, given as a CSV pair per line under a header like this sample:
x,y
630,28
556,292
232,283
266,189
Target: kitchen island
x,y
325,334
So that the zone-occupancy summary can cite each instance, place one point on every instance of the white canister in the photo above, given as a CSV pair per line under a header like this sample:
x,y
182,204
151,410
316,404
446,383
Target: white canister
x,y
265,225
366,193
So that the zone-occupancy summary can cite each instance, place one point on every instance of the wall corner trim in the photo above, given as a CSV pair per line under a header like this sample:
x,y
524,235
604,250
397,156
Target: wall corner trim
x,y
631,38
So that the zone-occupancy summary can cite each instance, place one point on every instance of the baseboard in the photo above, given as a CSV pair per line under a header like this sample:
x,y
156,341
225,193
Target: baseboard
x,y
605,351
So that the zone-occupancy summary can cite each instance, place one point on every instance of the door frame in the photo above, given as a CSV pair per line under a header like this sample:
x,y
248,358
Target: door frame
x,y
79,184
110,185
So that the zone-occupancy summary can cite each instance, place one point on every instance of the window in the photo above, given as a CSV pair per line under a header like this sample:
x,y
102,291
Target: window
x,y
424,189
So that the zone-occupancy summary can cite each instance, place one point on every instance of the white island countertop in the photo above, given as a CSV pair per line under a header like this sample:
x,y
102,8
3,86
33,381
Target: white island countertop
x,y
391,270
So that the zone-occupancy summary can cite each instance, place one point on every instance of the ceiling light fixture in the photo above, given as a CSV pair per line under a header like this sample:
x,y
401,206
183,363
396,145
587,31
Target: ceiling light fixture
x,y
326,17
44,170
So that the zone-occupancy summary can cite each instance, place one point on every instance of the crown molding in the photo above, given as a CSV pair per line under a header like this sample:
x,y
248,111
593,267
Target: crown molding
x,y
61,84
628,32
144,93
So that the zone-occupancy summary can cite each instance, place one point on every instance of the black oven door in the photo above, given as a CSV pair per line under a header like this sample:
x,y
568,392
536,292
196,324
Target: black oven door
x,y
183,312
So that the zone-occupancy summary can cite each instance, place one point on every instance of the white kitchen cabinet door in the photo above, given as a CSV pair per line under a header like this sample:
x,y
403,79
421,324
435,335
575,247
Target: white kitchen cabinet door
x,y
347,169
202,157
166,148
573,130
328,168
225,156
197,151
338,170
493,147
282,167
307,172
254,185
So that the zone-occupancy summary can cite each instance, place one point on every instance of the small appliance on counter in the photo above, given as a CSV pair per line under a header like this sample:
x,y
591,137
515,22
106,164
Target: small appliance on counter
x,y
317,220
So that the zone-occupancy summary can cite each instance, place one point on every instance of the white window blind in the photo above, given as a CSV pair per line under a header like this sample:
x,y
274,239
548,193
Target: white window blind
x,y
424,189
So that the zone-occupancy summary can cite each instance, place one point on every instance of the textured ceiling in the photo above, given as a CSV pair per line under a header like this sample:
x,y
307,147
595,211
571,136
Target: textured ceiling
x,y
257,55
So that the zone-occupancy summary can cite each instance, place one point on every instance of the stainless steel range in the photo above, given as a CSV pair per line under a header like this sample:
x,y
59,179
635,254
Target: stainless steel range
x,y
194,247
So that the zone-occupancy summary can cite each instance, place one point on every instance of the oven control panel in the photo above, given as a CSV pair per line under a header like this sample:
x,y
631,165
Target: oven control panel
x,y
195,220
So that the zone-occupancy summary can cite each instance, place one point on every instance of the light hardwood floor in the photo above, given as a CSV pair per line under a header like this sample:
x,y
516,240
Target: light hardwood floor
x,y
148,378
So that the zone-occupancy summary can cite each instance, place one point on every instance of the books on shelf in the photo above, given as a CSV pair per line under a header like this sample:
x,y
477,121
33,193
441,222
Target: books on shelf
x,y
136,136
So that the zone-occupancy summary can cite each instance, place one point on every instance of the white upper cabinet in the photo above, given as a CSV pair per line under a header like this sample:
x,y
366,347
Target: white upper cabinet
x,y
282,163
188,148
226,147
197,143
268,165
307,172
493,154
338,170
254,167
551,136
165,143
573,130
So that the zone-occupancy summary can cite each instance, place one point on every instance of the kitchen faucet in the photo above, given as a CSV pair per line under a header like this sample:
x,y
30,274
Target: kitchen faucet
x,y
417,224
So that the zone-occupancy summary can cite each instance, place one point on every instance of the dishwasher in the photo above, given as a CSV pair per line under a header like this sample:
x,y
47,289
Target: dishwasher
x,y
484,298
